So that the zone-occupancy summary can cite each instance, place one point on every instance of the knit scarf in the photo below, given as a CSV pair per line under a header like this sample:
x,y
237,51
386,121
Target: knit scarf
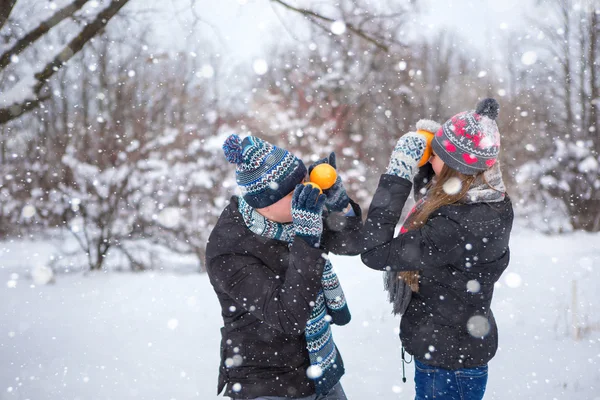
x,y
329,306
487,188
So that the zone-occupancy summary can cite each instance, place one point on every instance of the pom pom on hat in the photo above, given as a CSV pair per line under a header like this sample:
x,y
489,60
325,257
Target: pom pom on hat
x,y
428,125
233,149
488,108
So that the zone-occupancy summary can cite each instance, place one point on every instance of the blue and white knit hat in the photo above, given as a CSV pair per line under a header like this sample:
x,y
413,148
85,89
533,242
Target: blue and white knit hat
x,y
264,172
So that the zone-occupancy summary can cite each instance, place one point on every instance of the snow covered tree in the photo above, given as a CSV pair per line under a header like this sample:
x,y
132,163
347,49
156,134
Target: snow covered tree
x,y
566,68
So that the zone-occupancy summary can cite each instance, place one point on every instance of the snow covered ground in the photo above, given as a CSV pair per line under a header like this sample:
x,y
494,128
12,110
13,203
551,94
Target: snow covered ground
x,y
156,335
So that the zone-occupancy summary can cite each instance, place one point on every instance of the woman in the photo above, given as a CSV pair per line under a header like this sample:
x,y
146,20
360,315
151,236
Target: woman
x,y
452,248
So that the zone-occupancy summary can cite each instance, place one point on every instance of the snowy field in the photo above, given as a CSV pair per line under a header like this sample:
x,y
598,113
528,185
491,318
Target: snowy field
x,y
155,335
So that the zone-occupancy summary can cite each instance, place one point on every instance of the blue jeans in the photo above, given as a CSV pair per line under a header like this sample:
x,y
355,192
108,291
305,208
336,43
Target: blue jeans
x,y
336,393
438,383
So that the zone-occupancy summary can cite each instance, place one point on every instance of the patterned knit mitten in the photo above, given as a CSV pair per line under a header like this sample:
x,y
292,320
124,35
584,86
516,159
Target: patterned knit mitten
x,y
335,300
337,198
307,211
406,155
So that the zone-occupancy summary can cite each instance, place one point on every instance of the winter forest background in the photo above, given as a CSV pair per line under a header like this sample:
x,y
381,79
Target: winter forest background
x,y
112,116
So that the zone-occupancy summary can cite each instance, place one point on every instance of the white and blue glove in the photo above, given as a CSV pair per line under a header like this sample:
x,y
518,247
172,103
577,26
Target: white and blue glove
x,y
406,156
307,214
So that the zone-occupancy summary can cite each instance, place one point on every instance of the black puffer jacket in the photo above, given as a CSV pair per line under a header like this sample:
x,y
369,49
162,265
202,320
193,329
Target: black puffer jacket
x,y
265,288
461,252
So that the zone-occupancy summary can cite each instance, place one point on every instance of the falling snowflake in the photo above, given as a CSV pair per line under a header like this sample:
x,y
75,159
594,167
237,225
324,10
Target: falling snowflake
x,y
169,217
478,326
338,27
473,286
28,211
314,372
42,275
237,360
529,58
75,202
260,67
452,186
207,71
172,324
513,280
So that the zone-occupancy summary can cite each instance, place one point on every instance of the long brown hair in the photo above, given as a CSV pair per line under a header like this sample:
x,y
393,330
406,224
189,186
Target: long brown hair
x,y
437,196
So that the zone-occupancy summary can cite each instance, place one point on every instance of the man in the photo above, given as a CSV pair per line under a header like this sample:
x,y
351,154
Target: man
x,y
266,259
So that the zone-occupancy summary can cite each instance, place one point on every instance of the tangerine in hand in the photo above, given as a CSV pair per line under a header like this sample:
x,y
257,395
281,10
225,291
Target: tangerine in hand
x,y
427,153
324,175
315,186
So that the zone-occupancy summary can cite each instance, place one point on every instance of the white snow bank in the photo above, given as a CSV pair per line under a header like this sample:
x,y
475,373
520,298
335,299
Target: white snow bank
x,y
156,336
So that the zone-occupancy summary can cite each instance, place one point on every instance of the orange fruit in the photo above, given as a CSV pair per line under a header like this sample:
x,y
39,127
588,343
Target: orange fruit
x,y
323,175
314,185
427,153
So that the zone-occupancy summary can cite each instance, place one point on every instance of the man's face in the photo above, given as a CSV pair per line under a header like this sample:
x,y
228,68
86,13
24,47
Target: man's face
x,y
280,211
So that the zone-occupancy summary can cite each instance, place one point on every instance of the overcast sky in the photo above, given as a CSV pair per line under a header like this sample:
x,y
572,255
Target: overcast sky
x,y
245,26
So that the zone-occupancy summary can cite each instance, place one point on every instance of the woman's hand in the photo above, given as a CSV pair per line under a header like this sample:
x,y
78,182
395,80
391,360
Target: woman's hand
x,y
406,156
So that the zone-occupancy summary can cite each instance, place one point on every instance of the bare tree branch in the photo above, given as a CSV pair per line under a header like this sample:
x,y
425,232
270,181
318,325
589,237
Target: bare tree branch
x,y
6,7
40,31
75,45
313,16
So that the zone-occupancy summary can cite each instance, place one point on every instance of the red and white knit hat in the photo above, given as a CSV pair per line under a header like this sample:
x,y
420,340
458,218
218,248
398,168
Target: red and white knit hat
x,y
469,142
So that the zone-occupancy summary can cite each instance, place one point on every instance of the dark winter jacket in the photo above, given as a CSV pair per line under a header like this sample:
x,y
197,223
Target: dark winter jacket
x,y
265,288
460,252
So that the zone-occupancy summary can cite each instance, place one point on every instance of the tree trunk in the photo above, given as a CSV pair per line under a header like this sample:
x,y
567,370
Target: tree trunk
x,y
2,144
565,8
594,28
583,71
